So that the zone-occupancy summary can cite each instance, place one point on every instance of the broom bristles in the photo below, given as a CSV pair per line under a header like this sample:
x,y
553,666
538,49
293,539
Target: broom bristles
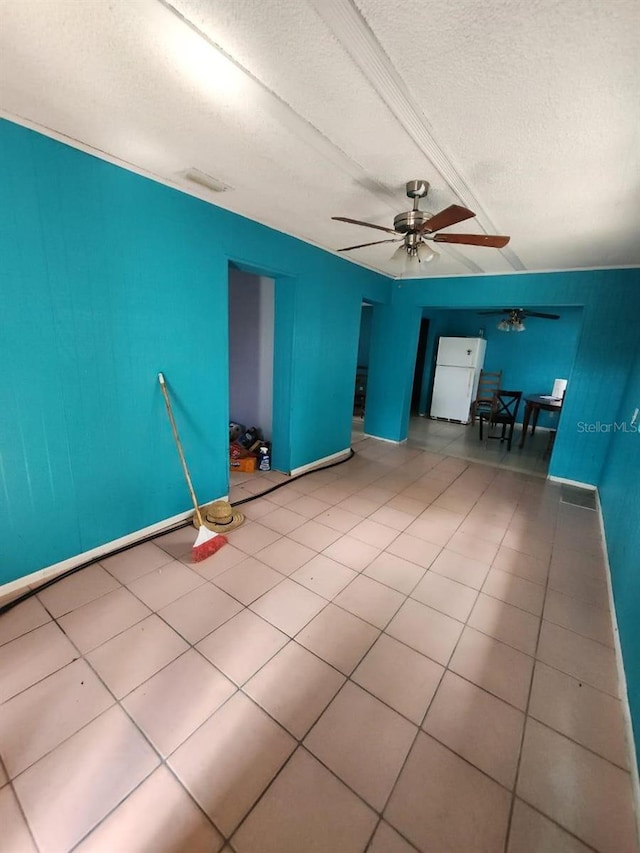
x,y
207,543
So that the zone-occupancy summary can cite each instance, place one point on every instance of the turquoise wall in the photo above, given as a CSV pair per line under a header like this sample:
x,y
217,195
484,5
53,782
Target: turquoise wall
x,y
620,499
601,365
529,360
108,278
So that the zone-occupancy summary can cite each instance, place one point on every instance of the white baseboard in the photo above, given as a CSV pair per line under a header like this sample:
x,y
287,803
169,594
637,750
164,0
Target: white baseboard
x,y
326,460
48,572
387,440
624,696
576,483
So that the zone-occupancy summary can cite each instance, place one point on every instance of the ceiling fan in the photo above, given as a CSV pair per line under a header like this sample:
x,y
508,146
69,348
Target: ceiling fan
x,y
415,226
513,322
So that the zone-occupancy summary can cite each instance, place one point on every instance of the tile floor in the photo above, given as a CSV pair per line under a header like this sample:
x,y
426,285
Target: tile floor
x,y
409,652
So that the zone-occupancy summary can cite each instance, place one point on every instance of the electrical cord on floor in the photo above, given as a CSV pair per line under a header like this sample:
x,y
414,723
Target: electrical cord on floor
x,y
5,608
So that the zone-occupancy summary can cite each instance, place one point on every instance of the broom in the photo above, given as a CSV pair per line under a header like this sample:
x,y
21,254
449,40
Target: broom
x,y
207,542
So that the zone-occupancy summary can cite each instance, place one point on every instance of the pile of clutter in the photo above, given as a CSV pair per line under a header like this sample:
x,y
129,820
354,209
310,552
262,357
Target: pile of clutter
x,y
247,449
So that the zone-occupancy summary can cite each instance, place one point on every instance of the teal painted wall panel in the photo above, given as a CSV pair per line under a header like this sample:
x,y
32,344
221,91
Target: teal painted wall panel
x,y
108,278
603,351
620,500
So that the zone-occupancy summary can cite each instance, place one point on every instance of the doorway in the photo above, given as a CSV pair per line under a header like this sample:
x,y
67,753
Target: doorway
x,y
418,373
251,349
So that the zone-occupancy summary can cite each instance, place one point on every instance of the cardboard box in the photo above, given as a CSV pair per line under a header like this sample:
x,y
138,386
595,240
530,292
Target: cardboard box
x,y
247,465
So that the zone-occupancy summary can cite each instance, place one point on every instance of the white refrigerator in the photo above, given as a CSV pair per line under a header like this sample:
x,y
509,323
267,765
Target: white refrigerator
x,y
458,365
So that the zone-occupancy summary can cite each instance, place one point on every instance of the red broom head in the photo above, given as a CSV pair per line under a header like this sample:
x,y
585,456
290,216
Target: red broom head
x,y
206,544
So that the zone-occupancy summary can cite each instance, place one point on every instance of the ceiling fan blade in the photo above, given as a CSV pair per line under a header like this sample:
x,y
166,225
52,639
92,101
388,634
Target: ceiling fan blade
x,y
366,224
538,314
449,216
491,240
362,245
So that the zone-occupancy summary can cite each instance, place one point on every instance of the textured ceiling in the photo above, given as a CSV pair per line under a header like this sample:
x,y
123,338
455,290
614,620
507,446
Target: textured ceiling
x,y
526,111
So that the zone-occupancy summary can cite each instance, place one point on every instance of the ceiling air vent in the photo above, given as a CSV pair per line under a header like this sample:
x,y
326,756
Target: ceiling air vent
x,y
204,180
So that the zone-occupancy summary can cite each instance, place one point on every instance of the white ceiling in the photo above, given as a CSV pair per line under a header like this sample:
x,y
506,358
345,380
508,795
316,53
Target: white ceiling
x,y
526,111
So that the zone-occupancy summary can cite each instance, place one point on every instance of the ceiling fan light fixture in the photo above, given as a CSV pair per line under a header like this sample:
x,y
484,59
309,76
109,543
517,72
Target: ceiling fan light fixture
x,y
425,254
504,326
519,327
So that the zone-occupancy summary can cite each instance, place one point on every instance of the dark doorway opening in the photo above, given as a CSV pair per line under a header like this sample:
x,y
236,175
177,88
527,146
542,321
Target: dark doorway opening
x,y
419,369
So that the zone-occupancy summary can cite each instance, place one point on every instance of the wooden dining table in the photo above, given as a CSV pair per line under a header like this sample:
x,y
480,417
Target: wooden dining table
x,y
533,405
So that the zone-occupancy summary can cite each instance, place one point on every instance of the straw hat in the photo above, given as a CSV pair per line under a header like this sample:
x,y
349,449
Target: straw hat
x,y
220,517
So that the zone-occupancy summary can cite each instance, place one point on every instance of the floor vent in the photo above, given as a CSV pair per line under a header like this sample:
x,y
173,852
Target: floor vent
x,y
585,498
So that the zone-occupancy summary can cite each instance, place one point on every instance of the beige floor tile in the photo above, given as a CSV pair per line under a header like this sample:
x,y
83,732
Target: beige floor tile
x,y
289,606
426,630
370,600
441,803
394,571
462,569
257,508
531,832
3,776
178,543
310,507
578,656
363,741
285,555
407,505
82,795
585,794
242,645
358,505
575,584
324,576
451,519
338,518
338,637
400,676
469,545
592,565
27,659
352,553
522,565
430,530
252,537
200,612
162,586
22,619
78,589
314,535
374,533
515,591
229,761
136,562
414,549
283,520
135,655
387,840
506,623
495,667
306,809
578,616
487,528
391,517
533,544
582,713
178,825
100,620
35,721
285,497
248,580
220,562
477,726
447,596
295,687
16,837
171,705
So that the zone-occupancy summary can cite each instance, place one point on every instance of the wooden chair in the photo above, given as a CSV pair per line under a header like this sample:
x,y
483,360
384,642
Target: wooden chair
x,y
488,384
504,411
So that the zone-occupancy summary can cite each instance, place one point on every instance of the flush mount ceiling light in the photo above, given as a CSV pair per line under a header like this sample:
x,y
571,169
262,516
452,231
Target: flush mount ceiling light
x,y
513,322
416,226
